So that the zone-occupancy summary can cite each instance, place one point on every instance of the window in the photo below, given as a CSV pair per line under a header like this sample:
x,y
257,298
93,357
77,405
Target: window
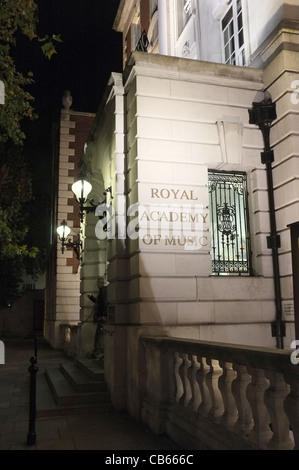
x,y
233,34
183,14
229,226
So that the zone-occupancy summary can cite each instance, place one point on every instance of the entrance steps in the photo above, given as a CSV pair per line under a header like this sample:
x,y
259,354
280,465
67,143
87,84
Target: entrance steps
x,y
74,386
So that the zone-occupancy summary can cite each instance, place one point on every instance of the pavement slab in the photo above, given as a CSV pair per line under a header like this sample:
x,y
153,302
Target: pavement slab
x,y
72,430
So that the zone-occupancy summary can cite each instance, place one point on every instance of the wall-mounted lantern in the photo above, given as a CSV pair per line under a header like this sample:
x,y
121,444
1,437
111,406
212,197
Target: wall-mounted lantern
x,y
63,232
81,189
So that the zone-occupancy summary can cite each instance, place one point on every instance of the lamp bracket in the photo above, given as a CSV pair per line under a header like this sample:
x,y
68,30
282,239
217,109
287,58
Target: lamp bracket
x,y
93,205
76,246
273,241
267,156
278,328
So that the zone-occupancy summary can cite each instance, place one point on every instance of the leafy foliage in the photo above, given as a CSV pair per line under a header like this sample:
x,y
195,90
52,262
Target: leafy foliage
x,y
15,195
49,46
11,279
17,17
15,199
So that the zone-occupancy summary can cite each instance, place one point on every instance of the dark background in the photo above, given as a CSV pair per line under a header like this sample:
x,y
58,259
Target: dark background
x,y
89,52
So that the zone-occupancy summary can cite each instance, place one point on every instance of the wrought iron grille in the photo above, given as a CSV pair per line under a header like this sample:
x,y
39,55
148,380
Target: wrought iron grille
x,y
143,43
229,223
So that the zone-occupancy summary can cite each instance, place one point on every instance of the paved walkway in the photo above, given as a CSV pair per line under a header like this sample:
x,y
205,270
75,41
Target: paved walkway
x,y
93,431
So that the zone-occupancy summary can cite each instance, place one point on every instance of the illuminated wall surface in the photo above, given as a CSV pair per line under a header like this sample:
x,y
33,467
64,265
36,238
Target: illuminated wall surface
x,y
186,252
187,119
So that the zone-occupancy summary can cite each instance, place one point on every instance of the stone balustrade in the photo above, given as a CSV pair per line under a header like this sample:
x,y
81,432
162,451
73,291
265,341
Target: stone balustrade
x,y
220,396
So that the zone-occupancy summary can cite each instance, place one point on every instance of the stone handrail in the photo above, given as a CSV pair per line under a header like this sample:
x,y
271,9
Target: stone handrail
x,y
220,396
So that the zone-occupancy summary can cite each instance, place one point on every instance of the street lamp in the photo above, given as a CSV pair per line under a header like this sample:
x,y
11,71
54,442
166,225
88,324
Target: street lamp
x,y
63,232
262,115
81,189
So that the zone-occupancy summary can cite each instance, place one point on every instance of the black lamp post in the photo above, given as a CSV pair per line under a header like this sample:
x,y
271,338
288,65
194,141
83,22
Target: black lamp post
x,y
263,114
31,435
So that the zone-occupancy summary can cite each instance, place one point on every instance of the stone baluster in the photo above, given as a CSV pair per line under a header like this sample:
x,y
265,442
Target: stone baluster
x,y
291,406
213,375
274,400
183,371
225,381
261,432
195,391
178,386
244,422
168,375
148,360
206,399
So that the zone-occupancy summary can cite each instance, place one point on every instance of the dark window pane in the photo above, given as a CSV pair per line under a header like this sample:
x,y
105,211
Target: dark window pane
x,y
241,39
228,17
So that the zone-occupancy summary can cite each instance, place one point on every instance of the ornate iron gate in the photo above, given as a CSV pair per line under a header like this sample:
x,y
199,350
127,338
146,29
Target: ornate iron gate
x,y
230,236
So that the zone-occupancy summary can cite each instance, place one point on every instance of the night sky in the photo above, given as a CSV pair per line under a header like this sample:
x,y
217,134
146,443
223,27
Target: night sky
x,y
90,51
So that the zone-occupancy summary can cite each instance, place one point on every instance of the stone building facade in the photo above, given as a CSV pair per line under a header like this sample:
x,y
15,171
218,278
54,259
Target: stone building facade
x,y
186,252
62,292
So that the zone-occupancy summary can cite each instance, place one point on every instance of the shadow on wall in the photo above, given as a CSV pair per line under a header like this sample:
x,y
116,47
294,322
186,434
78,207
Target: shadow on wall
x,y
24,316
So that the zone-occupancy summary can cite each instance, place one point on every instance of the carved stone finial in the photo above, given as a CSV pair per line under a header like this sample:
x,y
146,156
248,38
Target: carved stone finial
x,y
67,99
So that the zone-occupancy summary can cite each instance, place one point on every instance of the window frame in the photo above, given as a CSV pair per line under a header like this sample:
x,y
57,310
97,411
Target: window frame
x,y
229,257
238,51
